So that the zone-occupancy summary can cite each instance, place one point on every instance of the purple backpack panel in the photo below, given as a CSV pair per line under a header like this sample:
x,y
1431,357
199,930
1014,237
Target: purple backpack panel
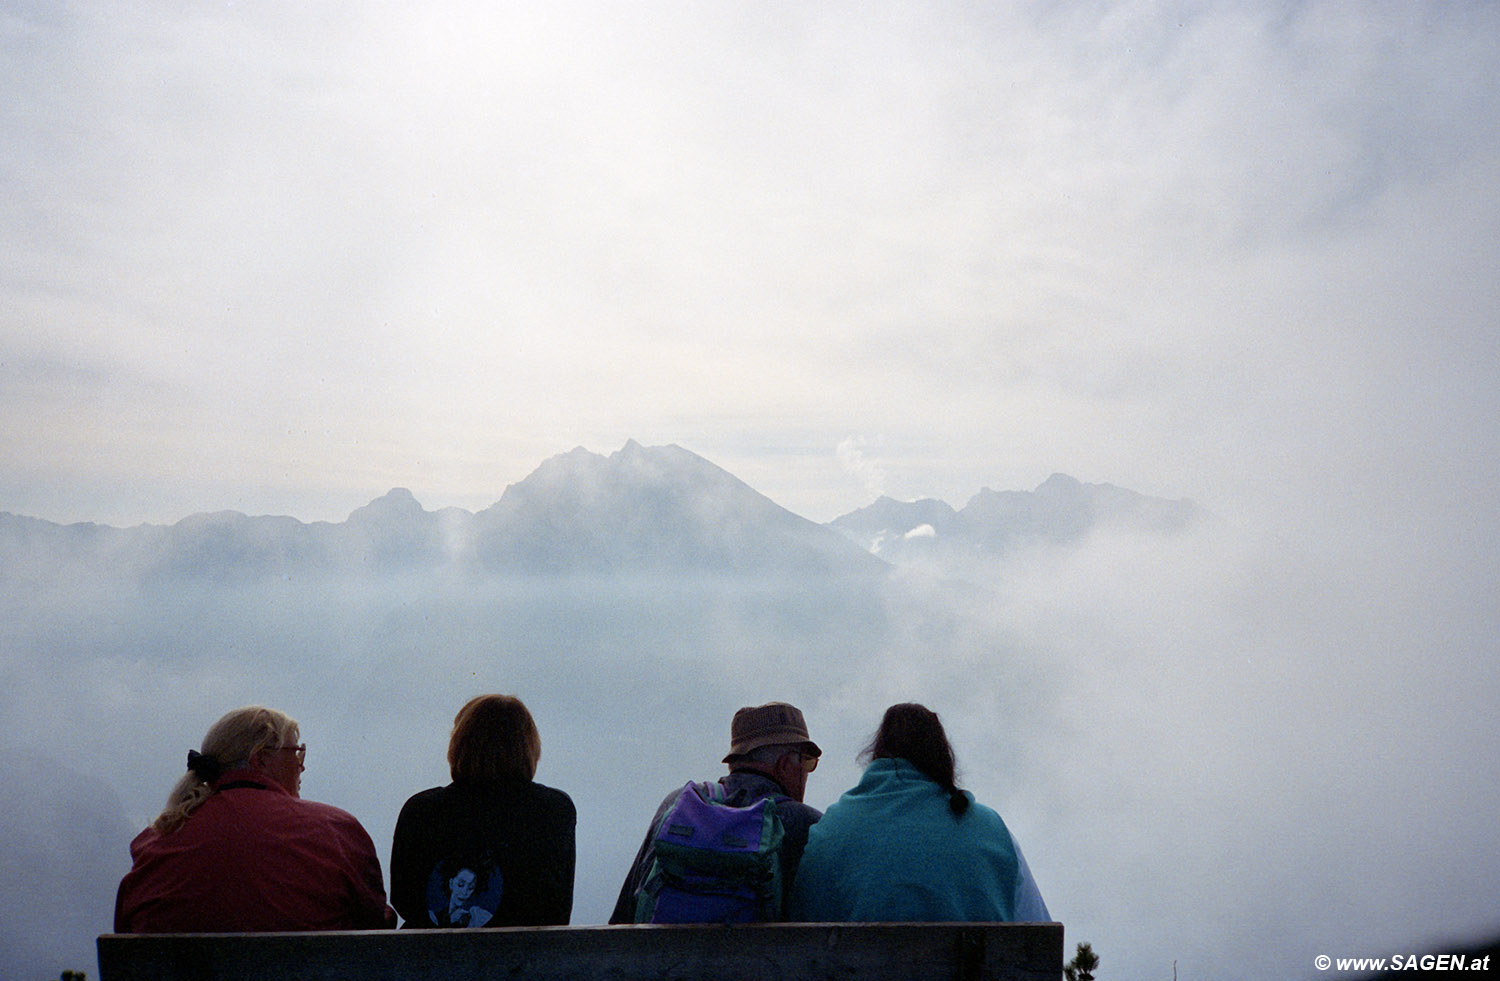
x,y
714,863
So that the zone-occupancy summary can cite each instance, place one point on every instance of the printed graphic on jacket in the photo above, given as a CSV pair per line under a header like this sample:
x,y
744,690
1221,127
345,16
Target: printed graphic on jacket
x,y
464,892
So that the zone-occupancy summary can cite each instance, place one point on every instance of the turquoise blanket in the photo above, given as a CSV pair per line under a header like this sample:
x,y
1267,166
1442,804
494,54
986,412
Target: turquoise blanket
x,y
891,850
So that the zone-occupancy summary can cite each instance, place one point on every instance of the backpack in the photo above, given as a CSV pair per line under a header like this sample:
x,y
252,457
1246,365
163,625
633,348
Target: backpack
x,y
714,862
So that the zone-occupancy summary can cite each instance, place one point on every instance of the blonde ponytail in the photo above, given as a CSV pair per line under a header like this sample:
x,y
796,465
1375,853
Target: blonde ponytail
x,y
230,743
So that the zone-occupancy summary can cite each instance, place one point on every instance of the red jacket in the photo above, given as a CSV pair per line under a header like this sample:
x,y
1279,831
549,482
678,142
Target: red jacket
x,y
253,858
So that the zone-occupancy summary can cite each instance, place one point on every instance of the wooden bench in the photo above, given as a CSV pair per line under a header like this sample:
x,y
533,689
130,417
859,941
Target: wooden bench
x,y
763,952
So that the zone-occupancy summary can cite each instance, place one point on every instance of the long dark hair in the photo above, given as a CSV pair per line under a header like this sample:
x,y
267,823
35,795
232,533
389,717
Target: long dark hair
x,y
914,733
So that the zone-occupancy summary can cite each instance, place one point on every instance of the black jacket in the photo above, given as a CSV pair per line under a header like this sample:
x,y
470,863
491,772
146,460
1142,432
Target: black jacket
x,y
484,854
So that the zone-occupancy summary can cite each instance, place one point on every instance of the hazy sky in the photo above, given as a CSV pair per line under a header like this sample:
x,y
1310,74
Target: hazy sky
x,y
280,257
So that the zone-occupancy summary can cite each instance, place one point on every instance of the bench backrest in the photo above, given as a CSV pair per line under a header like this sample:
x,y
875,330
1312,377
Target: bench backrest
x,y
988,951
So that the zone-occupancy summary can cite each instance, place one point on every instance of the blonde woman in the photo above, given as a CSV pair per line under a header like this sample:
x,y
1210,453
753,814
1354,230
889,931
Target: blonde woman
x,y
236,849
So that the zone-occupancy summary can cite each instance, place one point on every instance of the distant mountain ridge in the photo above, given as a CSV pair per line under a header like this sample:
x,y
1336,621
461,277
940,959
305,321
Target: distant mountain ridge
x,y
657,510
652,509
1060,511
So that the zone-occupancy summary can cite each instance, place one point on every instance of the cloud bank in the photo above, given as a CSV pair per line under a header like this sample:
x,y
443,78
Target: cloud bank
x,y
1221,747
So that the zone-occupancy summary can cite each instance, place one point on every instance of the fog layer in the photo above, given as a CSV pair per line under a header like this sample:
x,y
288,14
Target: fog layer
x,y
1227,748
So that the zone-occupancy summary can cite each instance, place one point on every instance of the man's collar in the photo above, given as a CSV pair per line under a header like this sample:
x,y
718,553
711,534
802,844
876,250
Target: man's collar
x,y
753,770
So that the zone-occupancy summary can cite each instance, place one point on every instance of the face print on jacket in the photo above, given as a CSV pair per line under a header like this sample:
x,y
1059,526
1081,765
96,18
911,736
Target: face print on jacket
x,y
464,892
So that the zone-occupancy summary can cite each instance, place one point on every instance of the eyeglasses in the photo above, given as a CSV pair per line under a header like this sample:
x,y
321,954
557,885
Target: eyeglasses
x,y
300,749
809,763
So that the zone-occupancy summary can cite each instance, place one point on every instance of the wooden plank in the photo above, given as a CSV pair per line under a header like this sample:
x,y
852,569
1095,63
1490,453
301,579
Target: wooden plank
x,y
759,952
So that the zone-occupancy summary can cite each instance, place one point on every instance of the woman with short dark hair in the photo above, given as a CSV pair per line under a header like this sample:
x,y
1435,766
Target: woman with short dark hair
x,y
493,848
907,845
494,739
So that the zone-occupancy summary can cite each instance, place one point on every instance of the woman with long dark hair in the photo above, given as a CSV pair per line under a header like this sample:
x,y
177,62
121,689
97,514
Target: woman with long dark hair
x,y
907,845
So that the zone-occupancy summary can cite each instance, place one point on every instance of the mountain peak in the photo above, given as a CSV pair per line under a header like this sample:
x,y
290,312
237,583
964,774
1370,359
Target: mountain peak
x,y
658,507
1059,483
396,504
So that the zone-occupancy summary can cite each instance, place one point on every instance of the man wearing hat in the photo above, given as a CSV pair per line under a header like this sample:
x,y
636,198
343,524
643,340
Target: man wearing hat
x,y
770,755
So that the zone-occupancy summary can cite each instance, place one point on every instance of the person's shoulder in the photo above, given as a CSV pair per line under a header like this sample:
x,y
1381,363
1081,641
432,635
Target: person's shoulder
x,y
672,795
554,798
431,795
982,817
785,806
148,837
975,807
328,813
319,808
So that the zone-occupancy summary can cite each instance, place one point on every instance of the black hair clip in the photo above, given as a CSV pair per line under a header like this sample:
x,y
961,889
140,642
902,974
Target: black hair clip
x,y
206,767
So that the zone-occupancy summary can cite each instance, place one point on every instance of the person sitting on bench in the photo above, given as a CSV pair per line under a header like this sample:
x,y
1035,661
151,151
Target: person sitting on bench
x,y
236,850
494,847
907,845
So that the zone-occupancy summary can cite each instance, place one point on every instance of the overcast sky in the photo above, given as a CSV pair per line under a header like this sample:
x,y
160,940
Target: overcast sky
x,y
280,257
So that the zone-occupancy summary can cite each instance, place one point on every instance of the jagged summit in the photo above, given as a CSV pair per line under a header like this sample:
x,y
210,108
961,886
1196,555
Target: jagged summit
x,y
398,503
1059,484
652,507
